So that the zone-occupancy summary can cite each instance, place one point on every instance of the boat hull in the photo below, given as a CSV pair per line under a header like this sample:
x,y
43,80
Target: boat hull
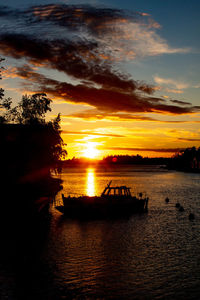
x,y
96,207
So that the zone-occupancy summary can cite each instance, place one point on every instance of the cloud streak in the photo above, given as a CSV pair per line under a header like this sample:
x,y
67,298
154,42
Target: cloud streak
x,y
164,150
180,102
91,133
189,139
93,114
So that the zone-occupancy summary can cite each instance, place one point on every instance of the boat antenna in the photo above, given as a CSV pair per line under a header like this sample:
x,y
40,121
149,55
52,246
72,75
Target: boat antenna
x,y
109,183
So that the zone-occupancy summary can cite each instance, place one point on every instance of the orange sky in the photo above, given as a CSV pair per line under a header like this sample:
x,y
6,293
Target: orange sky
x,y
145,138
124,81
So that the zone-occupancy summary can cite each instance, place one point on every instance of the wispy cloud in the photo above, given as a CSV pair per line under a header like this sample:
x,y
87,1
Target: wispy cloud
x,y
171,82
174,91
197,86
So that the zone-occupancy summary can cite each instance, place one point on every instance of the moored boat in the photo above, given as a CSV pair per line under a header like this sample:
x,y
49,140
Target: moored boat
x,y
114,201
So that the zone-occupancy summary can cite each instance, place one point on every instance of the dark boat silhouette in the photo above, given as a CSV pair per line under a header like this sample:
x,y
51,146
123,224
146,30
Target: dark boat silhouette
x,y
114,201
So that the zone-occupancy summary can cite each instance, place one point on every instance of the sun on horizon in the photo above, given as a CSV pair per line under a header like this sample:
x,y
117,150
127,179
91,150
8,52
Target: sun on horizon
x,y
90,150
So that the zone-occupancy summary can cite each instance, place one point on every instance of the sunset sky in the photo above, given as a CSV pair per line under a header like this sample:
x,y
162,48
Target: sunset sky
x,y
125,75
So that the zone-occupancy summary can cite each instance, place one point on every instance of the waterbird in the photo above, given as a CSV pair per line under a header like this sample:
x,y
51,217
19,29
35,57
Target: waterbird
x,y
191,216
178,204
167,200
181,208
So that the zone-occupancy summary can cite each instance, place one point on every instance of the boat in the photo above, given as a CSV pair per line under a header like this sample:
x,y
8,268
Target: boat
x,y
114,201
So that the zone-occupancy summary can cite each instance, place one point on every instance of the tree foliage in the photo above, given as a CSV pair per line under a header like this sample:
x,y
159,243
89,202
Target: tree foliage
x,y
31,109
2,104
40,140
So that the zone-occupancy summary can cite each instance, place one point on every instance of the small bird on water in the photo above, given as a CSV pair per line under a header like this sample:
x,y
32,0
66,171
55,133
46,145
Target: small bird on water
x,y
181,208
191,216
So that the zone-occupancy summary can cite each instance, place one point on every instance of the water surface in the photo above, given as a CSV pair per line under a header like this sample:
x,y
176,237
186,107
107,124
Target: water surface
x,y
149,256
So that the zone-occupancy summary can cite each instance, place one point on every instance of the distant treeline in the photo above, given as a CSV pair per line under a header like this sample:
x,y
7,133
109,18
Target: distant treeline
x,y
187,160
134,160
115,160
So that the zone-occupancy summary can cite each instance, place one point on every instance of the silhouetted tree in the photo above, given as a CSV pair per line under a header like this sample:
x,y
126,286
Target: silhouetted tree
x,y
30,147
44,138
186,160
37,142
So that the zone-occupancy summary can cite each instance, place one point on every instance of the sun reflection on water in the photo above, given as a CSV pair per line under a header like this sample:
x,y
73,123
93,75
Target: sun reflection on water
x,y
90,182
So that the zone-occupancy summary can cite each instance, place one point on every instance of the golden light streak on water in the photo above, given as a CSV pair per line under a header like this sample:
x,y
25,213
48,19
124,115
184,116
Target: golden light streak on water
x,y
90,182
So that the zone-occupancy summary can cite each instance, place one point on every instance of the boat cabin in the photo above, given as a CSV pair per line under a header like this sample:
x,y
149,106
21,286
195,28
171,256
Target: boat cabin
x,y
116,191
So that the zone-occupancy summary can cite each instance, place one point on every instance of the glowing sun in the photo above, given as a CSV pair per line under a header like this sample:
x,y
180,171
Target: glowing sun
x,y
90,151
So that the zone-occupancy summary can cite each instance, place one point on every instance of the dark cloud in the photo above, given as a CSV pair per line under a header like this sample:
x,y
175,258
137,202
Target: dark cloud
x,y
4,11
7,12
71,39
105,100
79,59
91,133
95,20
180,102
164,150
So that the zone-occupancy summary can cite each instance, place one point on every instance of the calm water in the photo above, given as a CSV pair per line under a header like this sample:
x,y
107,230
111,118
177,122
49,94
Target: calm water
x,y
150,256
